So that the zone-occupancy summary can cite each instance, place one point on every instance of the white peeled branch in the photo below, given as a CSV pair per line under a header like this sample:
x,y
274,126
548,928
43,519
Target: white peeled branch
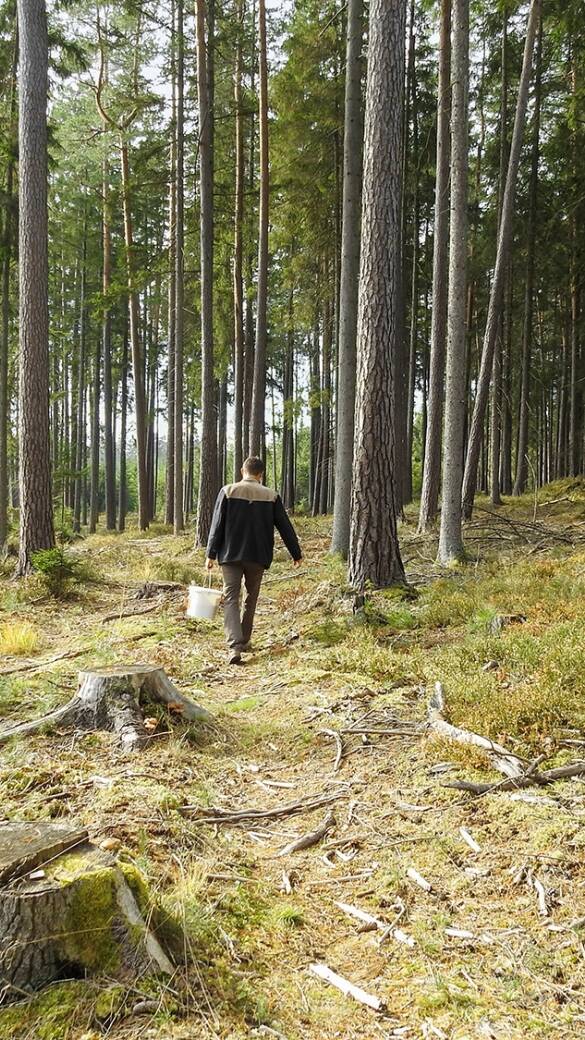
x,y
322,971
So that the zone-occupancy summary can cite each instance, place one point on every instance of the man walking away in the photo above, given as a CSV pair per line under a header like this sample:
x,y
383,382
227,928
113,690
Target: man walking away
x,y
242,540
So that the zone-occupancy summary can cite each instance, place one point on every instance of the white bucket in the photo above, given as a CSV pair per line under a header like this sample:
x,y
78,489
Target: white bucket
x,y
203,602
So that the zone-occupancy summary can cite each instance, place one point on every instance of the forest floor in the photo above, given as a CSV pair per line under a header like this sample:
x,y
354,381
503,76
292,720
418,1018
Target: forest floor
x,y
493,950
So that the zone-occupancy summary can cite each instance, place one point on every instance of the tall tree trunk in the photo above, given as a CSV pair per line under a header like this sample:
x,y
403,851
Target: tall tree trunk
x,y
208,482
137,359
497,378
432,464
374,554
574,386
326,407
450,536
109,464
249,330
36,507
259,387
496,422
238,255
349,277
94,479
7,255
222,430
172,295
81,392
497,289
179,276
522,456
506,455
315,405
122,490
414,284
288,448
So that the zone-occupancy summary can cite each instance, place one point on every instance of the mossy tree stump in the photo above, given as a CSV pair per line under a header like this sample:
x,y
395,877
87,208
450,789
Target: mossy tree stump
x,y
82,912
112,699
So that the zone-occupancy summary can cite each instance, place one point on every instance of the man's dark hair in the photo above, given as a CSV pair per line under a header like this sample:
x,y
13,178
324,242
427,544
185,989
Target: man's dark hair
x,y
254,466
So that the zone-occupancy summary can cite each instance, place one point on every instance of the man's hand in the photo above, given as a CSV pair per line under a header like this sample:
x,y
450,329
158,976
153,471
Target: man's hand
x,y
209,564
297,563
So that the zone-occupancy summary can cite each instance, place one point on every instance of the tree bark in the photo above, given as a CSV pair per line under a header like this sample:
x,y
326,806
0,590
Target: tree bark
x,y
374,556
84,915
527,337
238,255
172,296
504,240
94,453
450,536
497,367
81,392
287,490
326,408
414,284
123,491
349,278
36,506
222,430
109,462
7,255
432,463
208,482
259,386
315,406
136,352
178,518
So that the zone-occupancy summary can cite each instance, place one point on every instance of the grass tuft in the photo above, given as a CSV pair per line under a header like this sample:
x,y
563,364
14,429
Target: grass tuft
x,y
19,639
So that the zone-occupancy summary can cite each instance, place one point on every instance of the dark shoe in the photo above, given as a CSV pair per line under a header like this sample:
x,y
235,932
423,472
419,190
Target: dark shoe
x,y
234,657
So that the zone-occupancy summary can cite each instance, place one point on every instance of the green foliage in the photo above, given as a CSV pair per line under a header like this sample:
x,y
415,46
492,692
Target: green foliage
x,y
59,570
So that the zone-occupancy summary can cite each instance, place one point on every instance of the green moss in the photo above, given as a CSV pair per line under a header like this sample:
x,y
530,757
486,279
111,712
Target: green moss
x,y
54,1014
109,1003
88,938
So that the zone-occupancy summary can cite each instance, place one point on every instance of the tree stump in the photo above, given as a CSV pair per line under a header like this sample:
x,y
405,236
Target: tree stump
x,y
83,912
112,699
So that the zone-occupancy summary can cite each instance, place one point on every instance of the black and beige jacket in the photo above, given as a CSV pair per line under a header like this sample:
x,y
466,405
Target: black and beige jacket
x,y
242,529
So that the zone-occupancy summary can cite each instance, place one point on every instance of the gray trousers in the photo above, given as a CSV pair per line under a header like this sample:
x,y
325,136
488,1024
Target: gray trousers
x,y
238,630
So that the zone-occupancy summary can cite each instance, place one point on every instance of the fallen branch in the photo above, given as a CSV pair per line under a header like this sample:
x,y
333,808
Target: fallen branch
x,y
384,732
528,779
118,615
217,815
346,987
361,915
312,838
469,840
540,890
502,760
371,922
339,744
419,879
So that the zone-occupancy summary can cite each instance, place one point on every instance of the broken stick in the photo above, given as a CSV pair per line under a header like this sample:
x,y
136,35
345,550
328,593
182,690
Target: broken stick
x,y
339,744
217,815
349,989
312,838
